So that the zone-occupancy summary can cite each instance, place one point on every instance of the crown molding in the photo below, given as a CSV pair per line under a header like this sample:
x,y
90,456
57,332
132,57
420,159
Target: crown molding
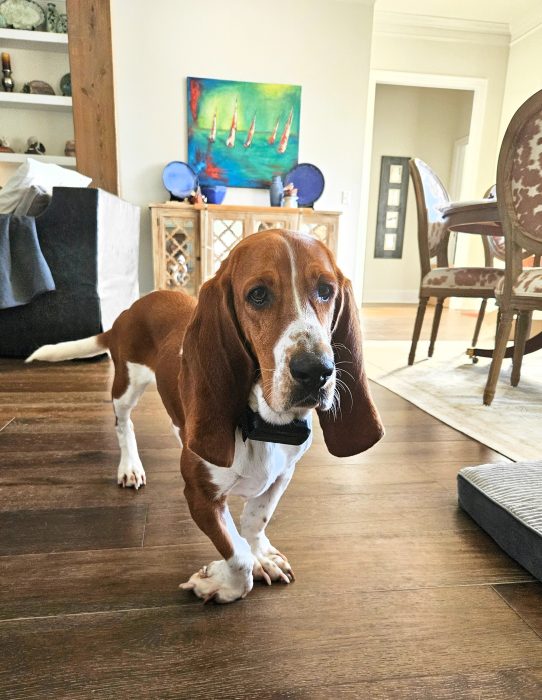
x,y
368,3
441,28
525,26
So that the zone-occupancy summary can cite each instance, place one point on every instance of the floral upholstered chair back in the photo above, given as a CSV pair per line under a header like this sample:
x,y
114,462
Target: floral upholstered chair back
x,y
519,180
431,195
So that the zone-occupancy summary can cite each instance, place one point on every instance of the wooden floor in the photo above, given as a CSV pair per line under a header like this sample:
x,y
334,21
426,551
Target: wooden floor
x,y
398,593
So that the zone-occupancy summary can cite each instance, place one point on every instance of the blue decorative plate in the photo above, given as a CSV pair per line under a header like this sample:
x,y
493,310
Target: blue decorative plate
x,y
179,179
309,182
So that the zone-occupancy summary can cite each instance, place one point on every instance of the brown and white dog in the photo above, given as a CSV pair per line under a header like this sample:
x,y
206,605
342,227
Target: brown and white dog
x,y
276,329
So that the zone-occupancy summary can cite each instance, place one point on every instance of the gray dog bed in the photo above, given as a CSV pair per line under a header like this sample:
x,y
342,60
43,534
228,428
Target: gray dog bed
x,y
506,501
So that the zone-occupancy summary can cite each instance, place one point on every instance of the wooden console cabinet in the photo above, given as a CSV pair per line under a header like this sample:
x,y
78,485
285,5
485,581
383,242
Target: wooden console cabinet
x,y
190,241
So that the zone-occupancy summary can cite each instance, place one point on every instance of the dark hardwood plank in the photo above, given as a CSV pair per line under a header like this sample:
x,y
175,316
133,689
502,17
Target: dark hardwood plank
x,y
511,684
526,600
275,649
25,531
108,579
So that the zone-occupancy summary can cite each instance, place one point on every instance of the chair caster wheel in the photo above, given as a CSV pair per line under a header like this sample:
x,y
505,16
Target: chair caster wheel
x,y
474,360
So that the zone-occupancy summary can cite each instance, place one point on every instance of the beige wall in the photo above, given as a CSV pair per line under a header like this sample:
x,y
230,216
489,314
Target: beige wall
x,y
524,76
411,122
322,45
454,58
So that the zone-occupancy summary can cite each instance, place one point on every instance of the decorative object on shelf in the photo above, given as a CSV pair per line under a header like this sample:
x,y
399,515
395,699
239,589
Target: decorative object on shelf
x,y
179,179
35,147
38,87
240,134
66,85
3,22
214,194
290,197
51,17
62,24
195,197
4,146
309,182
276,191
7,80
69,148
22,14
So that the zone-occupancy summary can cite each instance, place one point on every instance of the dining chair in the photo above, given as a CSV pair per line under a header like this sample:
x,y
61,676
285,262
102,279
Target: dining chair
x,y
443,281
519,199
496,249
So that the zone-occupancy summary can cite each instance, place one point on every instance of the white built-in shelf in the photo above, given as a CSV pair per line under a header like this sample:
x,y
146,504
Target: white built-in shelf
x,y
66,161
25,39
28,101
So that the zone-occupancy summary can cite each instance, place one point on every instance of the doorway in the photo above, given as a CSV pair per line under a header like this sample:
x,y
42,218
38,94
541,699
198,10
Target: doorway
x,y
429,123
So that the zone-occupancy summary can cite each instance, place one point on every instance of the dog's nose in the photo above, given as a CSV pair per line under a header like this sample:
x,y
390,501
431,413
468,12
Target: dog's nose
x,y
311,371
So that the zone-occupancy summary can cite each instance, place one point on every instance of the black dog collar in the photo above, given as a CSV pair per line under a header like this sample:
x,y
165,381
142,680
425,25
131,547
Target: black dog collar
x,y
253,427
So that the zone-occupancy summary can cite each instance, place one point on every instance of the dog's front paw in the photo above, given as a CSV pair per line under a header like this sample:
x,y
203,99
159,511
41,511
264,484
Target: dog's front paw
x,y
270,565
131,475
221,581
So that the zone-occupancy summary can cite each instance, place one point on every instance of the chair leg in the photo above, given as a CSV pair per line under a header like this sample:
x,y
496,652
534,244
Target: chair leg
x,y
434,328
479,322
417,328
523,329
503,331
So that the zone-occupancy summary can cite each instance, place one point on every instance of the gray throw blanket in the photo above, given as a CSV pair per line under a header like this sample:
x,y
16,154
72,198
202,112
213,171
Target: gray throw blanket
x,y
24,272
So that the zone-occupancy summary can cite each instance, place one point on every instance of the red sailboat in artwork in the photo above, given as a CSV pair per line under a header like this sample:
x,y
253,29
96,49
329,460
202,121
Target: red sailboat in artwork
x,y
212,133
286,133
230,141
271,139
250,132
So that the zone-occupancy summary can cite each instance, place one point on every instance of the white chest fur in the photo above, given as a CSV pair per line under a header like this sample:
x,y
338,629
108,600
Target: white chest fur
x,y
256,466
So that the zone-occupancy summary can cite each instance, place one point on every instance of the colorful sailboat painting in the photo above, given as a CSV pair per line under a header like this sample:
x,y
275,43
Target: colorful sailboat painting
x,y
283,144
250,134
230,141
240,134
271,139
212,133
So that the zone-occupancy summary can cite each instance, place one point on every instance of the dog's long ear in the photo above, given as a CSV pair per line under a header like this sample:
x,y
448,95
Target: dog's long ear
x,y
356,425
216,375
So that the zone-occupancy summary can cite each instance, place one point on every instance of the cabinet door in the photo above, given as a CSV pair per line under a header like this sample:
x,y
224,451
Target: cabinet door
x,y
267,220
223,230
321,226
179,251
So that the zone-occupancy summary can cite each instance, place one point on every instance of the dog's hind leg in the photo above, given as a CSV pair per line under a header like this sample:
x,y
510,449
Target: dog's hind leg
x,y
130,382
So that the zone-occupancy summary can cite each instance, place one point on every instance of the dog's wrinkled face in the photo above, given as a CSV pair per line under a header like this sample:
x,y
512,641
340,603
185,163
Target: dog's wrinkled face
x,y
285,311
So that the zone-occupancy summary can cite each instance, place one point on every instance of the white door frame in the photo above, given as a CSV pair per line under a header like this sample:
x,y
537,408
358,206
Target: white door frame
x,y
472,157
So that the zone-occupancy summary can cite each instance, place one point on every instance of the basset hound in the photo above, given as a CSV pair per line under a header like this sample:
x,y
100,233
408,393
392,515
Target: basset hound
x,y
274,334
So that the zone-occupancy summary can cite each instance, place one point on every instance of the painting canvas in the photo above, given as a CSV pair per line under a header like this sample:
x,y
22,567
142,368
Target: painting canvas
x,y
241,134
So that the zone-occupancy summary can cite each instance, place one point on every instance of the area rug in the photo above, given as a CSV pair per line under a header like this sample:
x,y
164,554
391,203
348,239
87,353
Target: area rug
x,y
450,387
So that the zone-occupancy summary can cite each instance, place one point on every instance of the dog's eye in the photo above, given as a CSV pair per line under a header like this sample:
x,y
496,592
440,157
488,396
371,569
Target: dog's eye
x,y
258,296
324,291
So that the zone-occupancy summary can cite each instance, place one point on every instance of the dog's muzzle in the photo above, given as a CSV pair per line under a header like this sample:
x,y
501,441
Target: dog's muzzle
x,y
310,373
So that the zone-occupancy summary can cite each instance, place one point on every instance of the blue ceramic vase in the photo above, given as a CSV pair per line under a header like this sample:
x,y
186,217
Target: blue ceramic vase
x,y
276,191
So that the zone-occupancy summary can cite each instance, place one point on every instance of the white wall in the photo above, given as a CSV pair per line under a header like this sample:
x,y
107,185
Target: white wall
x,y
524,76
430,122
322,45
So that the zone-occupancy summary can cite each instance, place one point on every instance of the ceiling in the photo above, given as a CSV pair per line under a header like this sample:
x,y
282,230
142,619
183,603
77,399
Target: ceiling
x,y
505,11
